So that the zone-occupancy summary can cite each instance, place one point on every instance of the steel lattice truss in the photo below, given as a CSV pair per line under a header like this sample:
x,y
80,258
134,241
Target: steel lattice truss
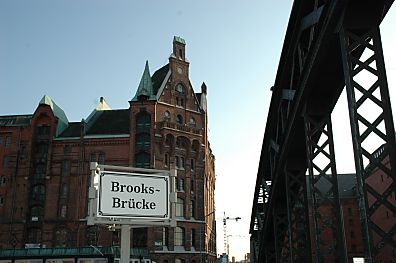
x,y
372,157
329,45
323,188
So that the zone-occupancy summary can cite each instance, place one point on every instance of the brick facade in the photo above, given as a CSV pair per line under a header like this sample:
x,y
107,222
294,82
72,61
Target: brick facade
x,y
45,166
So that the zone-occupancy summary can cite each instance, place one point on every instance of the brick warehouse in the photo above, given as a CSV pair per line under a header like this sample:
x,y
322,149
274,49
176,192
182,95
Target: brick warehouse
x,y
44,167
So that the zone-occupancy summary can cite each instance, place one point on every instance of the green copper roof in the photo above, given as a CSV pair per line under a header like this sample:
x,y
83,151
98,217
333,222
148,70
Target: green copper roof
x,y
145,86
63,122
179,39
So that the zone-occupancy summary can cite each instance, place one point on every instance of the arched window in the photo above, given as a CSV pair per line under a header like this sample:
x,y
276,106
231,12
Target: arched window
x,y
167,116
180,207
179,119
179,236
180,89
192,123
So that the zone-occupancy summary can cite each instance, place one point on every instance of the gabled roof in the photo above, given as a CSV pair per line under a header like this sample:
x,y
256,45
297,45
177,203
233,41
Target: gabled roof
x,y
145,86
158,78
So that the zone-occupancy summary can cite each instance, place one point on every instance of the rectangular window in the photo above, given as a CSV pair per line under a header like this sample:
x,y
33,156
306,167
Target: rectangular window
x,y
180,185
180,207
40,171
67,149
101,158
181,165
192,165
8,141
166,162
192,186
63,211
6,161
165,236
1,201
193,237
66,167
192,208
179,236
177,161
93,157
1,140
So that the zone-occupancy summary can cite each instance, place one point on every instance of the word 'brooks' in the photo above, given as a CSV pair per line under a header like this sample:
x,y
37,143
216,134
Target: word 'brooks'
x,y
139,189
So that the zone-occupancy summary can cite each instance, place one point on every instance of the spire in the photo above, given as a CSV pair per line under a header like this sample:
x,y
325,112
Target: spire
x,y
145,88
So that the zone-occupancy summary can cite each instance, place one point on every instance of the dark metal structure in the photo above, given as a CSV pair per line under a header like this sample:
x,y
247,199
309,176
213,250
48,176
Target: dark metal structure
x,y
296,214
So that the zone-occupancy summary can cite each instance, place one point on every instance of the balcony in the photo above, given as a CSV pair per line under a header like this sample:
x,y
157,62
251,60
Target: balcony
x,y
179,127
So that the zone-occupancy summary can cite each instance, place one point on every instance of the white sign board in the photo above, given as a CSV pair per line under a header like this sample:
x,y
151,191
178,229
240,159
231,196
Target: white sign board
x,y
133,195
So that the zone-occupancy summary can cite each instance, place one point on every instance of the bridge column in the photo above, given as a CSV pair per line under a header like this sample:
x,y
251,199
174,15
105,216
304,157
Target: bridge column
x,y
324,200
298,222
280,233
373,136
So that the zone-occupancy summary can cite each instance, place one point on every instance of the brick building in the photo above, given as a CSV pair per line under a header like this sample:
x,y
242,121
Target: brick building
x,y
44,167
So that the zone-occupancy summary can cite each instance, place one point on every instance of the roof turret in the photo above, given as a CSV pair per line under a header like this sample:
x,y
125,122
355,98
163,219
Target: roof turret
x,y
63,122
145,89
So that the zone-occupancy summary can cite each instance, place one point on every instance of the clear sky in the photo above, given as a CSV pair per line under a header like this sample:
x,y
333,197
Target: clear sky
x,y
77,51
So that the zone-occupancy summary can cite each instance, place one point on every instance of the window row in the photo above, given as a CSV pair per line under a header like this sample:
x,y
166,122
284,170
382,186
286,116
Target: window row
x,y
180,187
60,237
179,119
37,212
180,237
97,157
179,162
180,208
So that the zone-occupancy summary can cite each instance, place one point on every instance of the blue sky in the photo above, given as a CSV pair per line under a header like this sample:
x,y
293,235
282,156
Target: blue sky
x,y
78,51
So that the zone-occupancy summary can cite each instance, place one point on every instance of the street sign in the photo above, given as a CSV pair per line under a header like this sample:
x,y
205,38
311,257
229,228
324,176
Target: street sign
x,y
133,195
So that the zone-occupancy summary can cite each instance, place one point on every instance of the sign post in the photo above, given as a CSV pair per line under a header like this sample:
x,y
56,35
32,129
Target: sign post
x,y
125,243
128,197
